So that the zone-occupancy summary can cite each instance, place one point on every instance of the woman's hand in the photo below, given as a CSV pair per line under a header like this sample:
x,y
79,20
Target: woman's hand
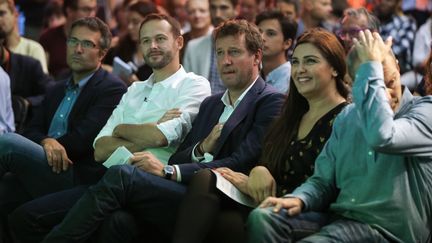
x,y
261,184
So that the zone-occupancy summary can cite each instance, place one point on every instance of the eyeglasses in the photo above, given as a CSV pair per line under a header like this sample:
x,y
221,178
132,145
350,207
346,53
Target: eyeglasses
x,y
352,32
85,44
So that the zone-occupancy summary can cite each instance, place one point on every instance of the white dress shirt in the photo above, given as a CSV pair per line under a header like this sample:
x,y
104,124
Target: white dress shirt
x,y
146,102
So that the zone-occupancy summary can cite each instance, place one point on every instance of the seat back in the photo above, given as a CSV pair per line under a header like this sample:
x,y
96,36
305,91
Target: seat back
x,y
20,108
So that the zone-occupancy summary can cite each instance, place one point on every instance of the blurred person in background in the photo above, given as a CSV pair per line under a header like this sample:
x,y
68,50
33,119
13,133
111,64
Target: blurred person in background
x,y
127,48
13,41
314,13
278,32
54,39
248,9
290,8
199,20
400,27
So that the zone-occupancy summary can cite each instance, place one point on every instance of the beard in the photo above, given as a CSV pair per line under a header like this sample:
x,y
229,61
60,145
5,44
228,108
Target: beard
x,y
167,57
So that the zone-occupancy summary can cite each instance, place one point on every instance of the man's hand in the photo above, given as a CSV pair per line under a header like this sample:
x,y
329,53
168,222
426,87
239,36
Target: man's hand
x,y
371,47
147,162
261,184
169,115
56,155
293,205
238,179
209,143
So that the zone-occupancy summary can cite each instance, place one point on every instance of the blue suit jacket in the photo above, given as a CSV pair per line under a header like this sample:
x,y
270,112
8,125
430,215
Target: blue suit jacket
x,y
239,146
89,114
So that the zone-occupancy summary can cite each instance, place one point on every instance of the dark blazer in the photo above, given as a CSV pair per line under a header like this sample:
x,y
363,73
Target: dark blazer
x,y
89,114
27,78
239,146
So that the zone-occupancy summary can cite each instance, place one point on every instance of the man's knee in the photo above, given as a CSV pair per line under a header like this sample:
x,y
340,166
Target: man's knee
x,y
259,215
118,173
6,143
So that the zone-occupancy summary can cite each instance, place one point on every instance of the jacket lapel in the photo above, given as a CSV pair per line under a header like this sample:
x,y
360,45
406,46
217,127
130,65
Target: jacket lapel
x,y
240,113
86,93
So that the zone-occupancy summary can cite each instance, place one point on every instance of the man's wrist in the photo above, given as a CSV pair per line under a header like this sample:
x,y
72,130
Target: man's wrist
x,y
174,175
199,150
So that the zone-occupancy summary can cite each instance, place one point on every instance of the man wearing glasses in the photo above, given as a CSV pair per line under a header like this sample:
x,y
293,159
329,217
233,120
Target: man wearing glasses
x,y
56,150
54,40
354,21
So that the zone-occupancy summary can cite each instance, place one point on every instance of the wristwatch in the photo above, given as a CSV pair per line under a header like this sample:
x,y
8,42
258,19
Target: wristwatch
x,y
168,171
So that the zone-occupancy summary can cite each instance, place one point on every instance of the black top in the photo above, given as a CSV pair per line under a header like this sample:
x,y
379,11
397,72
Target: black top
x,y
301,155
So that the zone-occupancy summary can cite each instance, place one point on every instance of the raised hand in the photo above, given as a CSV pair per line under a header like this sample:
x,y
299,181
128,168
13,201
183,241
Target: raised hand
x,y
371,47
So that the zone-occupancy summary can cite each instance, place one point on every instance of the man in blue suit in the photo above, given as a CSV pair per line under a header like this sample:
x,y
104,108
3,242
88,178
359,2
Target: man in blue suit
x,y
56,150
227,132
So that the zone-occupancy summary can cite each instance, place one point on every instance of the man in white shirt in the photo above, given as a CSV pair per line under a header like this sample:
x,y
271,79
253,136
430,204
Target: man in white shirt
x,y
134,123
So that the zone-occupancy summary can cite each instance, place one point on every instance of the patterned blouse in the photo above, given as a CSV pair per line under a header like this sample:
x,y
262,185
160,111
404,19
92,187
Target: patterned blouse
x,y
302,153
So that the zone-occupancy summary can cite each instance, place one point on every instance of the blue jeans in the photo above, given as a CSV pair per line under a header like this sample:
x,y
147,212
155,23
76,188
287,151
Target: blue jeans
x,y
150,199
25,175
24,168
266,226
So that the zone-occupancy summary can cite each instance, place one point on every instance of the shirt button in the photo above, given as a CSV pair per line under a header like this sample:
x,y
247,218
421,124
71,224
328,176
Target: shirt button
x,y
68,98
58,133
370,153
61,115
353,200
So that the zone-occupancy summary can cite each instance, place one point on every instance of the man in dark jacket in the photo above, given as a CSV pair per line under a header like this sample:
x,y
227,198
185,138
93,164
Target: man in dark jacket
x,y
56,151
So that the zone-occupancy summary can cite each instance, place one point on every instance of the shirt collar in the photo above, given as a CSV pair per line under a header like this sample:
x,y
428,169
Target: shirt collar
x,y
286,65
226,100
177,76
405,99
81,83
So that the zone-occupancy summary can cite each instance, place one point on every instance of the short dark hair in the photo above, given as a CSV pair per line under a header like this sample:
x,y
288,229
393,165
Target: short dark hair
x,y
288,25
142,8
97,25
236,27
175,25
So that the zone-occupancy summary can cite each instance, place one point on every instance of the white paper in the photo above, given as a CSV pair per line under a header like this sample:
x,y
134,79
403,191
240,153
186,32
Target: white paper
x,y
120,68
119,157
231,191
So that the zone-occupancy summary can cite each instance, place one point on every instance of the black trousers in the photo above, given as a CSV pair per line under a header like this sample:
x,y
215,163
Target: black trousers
x,y
208,215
